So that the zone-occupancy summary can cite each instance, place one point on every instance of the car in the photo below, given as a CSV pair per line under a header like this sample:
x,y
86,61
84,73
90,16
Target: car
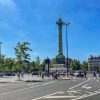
x,y
81,74
35,73
1,73
72,74
76,73
9,73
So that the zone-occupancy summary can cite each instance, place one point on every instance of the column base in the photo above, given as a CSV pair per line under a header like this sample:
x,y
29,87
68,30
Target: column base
x,y
60,59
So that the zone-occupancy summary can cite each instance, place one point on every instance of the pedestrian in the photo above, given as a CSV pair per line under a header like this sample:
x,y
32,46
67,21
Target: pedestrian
x,y
22,74
56,75
53,75
18,75
94,75
85,74
99,74
43,75
80,76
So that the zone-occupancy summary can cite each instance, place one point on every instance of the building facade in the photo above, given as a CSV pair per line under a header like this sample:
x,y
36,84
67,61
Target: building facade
x,y
94,63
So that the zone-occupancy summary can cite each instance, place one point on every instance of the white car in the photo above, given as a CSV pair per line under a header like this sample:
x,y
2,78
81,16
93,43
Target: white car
x,y
76,73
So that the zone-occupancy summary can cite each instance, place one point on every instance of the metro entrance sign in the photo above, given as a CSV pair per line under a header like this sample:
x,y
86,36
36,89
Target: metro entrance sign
x,y
47,69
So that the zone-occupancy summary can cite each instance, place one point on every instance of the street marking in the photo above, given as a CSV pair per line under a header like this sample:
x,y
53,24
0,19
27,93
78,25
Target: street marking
x,y
29,84
79,84
27,88
85,96
97,80
42,84
89,92
48,95
85,86
59,97
73,91
95,91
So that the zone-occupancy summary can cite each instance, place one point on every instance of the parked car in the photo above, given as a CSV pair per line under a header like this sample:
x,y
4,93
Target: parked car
x,y
35,73
72,74
79,74
1,73
76,73
9,73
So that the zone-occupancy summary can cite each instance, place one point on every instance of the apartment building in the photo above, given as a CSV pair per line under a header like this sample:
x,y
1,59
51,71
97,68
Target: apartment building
x,y
94,63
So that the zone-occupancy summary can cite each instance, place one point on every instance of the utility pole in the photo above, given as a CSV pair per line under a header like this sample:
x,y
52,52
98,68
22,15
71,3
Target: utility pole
x,y
0,49
67,24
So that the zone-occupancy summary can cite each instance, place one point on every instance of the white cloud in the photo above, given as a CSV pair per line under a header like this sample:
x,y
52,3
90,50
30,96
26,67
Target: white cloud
x,y
8,3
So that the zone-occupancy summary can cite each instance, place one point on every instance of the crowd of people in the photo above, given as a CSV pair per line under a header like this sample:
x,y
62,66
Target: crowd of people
x,y
56,74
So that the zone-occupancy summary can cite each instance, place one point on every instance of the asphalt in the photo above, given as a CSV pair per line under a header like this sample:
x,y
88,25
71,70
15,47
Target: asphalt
x,y
48,89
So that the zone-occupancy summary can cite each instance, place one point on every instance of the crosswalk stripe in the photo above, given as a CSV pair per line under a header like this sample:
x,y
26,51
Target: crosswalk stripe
x,y
60,97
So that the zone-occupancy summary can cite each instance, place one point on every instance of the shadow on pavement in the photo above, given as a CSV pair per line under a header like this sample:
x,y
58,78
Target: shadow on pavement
x,y
4,82
5,77
33,81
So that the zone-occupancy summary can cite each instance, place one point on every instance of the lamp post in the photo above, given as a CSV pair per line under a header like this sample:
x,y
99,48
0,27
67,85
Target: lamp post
x,y
67,24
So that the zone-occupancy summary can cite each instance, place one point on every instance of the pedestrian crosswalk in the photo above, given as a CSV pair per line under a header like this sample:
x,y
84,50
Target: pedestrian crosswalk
x,y
82,90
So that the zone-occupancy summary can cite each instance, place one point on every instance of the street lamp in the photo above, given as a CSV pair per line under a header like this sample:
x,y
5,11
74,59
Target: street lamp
x,y
67,24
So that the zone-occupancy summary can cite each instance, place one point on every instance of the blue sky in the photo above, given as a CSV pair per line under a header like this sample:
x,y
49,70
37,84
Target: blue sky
x,y
35,21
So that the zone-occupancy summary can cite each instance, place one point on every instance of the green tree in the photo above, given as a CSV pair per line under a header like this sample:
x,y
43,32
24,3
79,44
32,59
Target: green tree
x,y
84,66
32,66
42,66
2,63
9,64
37,63
21,52
75,65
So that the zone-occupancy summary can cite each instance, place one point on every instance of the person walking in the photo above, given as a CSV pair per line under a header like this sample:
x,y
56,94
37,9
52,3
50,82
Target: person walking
x,y
22,74
43,75
94,75
85,74
18,76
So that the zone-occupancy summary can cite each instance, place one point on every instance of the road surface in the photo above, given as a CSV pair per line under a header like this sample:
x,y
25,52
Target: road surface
x,y
62,89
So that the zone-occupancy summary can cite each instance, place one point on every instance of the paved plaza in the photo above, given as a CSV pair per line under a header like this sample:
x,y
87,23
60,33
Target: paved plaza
x,y
24,78
36,88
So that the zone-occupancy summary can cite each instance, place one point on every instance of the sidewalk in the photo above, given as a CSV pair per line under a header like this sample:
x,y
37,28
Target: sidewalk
x,y
25,78
7,79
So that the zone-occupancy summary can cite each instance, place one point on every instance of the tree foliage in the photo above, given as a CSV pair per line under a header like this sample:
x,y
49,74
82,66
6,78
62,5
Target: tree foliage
x,y
2,63
38,67
75,65
21,52
84,66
